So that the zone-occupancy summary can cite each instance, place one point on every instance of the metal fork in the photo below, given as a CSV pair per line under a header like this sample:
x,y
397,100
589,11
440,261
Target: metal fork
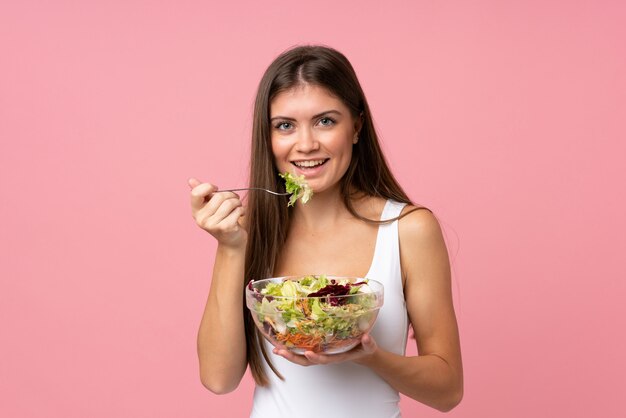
x,y
254,188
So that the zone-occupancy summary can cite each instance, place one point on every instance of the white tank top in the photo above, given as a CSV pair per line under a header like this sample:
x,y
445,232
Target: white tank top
x,y
346,389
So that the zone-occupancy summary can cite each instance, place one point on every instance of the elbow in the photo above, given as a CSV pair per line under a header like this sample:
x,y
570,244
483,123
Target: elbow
x,y
453,399
218,387
220,380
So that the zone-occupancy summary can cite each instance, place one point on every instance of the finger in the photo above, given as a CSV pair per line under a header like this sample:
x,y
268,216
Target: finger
x,y
294,358
324,359
368,344
215,201
227,205
200,194
193,182
230,222
313,357
218,209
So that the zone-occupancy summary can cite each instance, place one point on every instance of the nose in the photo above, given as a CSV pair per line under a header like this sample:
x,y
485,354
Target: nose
x,y
307,142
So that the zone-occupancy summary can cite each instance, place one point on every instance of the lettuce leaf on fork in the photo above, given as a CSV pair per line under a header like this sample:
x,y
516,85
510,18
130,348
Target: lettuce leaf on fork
x,y
298,187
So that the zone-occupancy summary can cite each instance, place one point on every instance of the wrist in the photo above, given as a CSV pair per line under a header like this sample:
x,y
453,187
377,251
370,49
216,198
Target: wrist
x,y
370,359
231,252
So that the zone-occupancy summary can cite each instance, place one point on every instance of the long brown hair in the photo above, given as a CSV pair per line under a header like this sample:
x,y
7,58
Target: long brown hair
x,y
268,216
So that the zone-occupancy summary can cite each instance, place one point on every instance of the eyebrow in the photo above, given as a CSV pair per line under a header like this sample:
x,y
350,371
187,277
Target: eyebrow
x,y
314,116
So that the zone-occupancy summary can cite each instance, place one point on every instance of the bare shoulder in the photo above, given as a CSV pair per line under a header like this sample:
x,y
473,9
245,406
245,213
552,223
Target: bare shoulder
x,y
422,245
418,224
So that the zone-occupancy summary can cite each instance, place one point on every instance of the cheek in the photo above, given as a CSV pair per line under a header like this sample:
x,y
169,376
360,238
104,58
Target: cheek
x,y
343,147
280,152
347,157
277,150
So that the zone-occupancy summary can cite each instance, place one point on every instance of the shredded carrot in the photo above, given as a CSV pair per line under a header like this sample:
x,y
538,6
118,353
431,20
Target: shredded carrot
x,y
311,342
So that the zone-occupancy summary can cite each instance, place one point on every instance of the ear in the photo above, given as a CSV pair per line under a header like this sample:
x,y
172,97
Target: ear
x,y
358,124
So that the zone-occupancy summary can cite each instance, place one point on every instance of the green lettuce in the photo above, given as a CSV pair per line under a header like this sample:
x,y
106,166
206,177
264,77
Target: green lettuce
x,y
298,187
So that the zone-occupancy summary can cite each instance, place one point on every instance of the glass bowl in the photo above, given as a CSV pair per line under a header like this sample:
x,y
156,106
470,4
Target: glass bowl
x,y
323,314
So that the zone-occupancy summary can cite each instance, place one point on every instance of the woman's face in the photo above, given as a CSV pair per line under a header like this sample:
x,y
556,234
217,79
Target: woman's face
x,y
312,135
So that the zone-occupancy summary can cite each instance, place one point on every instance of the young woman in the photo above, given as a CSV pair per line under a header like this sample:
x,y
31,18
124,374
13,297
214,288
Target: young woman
x,y
311,118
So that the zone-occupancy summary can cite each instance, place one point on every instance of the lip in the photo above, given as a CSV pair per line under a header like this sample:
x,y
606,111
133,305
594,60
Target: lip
x,y
308,172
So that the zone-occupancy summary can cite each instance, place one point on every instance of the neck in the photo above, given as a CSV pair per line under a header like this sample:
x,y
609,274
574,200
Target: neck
x,y
323,212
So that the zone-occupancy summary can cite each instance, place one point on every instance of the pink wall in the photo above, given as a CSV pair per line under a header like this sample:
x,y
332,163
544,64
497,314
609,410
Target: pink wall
x,y
507,118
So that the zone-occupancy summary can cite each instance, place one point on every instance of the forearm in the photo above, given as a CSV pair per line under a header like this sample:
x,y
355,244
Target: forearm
x,y
428,379
221,337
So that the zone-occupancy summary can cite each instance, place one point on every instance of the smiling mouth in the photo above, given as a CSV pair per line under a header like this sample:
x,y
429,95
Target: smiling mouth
x,y
310,163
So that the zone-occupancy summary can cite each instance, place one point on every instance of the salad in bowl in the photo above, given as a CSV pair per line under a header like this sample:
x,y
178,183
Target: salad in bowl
x,y
323,314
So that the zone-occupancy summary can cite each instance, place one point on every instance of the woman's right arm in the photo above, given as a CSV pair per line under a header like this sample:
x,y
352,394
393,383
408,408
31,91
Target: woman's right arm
x,y
221,337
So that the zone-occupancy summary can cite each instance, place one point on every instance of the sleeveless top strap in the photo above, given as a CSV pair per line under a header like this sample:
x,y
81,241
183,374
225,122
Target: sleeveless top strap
x,y
392,326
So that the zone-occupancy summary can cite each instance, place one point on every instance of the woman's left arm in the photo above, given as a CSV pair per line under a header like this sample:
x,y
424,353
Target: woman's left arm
x,y
435,376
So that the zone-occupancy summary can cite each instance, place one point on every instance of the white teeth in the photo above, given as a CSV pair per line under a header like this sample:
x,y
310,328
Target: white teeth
x,y
311,163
